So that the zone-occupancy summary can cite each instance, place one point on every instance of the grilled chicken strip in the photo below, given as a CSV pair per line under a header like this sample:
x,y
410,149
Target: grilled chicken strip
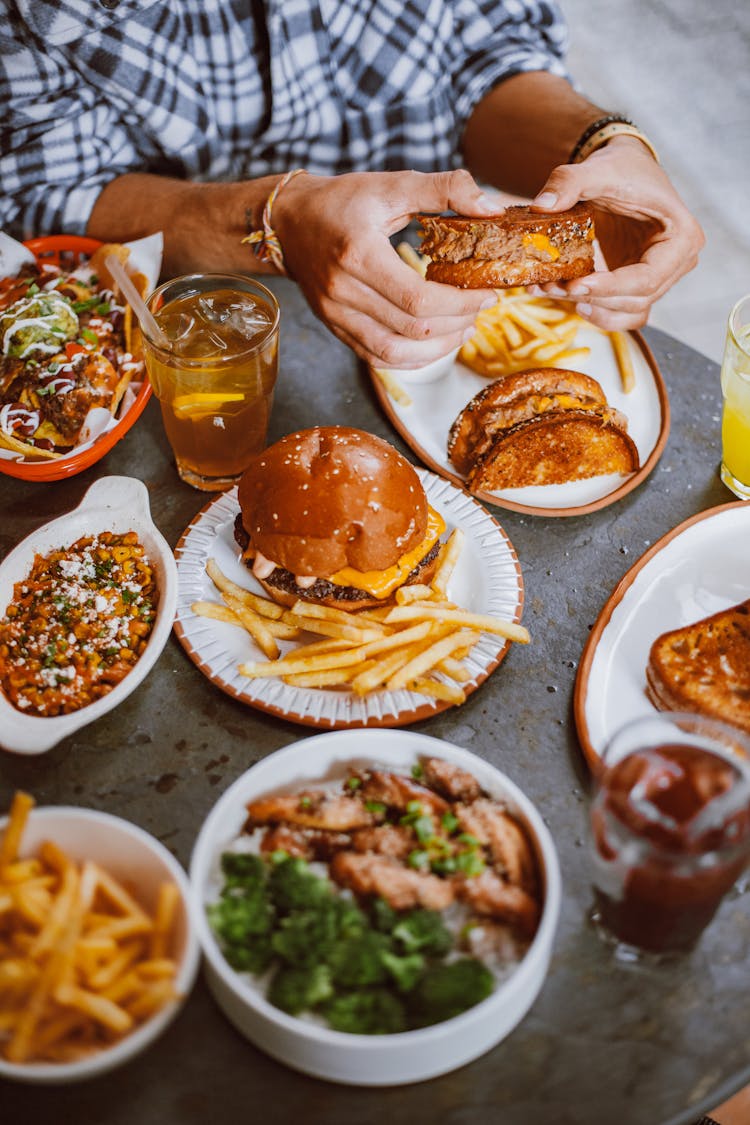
x,y
385,839
397,792
490,895
303,842
454,783
313,808
400,886
504,838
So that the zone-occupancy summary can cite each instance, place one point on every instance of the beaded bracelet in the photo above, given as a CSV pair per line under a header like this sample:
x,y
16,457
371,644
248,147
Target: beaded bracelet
x,y
596,135
265,243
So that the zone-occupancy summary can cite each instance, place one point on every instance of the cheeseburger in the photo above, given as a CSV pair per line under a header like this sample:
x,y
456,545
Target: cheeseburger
x,y
336,516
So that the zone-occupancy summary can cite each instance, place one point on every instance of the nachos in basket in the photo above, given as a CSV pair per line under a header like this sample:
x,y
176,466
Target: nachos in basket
x,y
68,344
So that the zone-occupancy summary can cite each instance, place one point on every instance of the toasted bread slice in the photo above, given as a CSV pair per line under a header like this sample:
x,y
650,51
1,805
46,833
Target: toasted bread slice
x,y
704,667
517,247
553,448
517,398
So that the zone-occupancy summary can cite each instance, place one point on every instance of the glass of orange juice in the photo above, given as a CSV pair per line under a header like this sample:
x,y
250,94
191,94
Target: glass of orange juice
x,y
735,388
214,372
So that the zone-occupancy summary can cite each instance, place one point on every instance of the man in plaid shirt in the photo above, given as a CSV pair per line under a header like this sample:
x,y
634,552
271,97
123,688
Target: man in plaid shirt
x,y
121,117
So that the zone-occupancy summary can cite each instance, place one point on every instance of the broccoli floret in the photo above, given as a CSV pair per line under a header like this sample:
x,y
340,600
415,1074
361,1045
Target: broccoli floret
x,y
254,957
305,937
294,886
350,920
405,971
238,915
359,960
370,1011
241,869
446,990
384,917
423,931
295,990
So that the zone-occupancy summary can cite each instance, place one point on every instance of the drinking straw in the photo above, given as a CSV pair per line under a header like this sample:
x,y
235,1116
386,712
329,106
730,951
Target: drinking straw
x,y
136,302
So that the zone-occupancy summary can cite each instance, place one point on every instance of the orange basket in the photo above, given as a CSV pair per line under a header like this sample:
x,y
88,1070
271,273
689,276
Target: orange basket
x,y
69,250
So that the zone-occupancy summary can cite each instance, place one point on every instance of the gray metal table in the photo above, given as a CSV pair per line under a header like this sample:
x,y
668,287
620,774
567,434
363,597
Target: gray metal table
x,y
602,1043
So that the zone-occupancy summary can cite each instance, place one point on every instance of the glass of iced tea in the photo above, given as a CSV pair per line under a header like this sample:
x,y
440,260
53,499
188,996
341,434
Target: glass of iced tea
x,y
214,372
735,389
670,831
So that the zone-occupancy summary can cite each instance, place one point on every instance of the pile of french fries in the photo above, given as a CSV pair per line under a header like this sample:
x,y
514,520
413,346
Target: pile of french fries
x,y
418,644
521,331
81,963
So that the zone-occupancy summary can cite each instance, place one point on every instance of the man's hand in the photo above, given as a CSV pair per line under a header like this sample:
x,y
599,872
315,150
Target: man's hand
x,y
335,235
648,237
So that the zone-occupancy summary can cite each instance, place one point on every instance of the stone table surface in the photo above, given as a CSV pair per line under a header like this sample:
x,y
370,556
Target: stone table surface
x,y
602,1043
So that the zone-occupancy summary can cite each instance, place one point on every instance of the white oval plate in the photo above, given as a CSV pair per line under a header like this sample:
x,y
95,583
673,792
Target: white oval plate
x,y
487,579
424,425
697,569
117,504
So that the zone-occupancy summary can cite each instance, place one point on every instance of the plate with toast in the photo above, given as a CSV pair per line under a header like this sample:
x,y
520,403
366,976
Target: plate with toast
x,y
675,633
552,438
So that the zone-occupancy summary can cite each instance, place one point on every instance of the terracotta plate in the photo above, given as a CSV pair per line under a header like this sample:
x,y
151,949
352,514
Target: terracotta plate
x,y
487,579
699,568
425,422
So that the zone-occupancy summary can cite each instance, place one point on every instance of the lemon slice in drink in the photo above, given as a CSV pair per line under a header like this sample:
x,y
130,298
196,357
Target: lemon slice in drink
x,y
203,402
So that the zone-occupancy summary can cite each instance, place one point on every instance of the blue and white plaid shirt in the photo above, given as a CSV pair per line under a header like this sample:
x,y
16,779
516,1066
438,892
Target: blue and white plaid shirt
x,y
235,89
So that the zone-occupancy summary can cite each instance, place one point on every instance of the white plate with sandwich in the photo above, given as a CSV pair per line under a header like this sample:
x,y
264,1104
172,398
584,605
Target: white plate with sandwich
x,y
699,569
425,412
296,484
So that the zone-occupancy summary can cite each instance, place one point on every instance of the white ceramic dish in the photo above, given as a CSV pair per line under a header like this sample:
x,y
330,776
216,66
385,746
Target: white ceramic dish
x,y
117,504
697,569
363,1060
425,422
142,864
487,579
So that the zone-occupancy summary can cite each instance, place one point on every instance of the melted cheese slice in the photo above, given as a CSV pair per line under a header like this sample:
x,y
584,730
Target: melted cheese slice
x,y
542,243
381,583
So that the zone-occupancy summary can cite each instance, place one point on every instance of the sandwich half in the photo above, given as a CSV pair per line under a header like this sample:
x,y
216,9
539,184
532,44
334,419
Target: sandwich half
x,y
704,667
516,247
543,426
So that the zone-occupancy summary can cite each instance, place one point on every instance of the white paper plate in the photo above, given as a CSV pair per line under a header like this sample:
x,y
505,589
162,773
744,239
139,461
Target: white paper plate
x,y
424,425
118,504
697,569
487,579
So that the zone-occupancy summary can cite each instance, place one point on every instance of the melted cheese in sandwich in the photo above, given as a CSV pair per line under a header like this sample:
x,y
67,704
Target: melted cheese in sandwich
x,y
542,244
381,583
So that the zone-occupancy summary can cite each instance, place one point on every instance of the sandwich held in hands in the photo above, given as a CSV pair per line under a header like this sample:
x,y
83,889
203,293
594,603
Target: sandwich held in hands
x,y
517,247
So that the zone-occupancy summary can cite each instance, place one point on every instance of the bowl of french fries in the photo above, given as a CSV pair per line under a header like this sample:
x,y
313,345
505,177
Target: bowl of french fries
x,y
97,947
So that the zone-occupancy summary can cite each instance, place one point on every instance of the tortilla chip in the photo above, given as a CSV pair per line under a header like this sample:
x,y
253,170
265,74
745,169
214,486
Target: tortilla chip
x,y
131,327
29,452
98,259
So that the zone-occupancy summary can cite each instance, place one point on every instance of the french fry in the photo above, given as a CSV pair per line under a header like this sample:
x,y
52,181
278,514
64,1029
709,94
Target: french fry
x,y
20,808
438,689
621,348
412,257
254,624
424,661
218,612
392,386
483,622
164,919
263,606
448,559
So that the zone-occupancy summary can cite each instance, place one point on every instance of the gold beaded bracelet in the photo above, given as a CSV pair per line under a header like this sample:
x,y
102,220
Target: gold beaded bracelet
x,y
602,136
265,243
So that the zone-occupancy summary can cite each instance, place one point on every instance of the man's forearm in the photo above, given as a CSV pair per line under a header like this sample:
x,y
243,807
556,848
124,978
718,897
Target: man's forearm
x,y
203,224
523,129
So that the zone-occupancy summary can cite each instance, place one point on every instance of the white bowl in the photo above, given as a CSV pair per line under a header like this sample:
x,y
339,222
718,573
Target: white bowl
x,y
429,373
142,864
368,1060
117,504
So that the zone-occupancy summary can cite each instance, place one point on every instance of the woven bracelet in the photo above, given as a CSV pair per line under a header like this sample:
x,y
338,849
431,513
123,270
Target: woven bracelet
x,y
265,243
600,132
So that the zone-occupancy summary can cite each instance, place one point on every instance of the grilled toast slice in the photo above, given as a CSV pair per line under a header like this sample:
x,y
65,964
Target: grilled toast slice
x,y
704,667
553,448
